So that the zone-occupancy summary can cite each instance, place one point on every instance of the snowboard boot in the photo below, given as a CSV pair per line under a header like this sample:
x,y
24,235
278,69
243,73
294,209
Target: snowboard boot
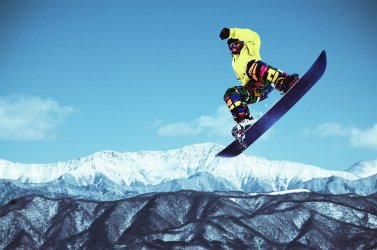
x,y
288,83
238,131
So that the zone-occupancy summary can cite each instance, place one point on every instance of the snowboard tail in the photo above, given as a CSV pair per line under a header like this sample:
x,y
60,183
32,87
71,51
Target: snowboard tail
x,y
281,107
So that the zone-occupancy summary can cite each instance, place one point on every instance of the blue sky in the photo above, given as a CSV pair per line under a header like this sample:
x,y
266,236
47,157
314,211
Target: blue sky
x,y
77,77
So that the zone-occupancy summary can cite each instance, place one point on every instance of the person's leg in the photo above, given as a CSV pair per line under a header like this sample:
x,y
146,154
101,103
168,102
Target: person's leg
x,y
238,97
262,74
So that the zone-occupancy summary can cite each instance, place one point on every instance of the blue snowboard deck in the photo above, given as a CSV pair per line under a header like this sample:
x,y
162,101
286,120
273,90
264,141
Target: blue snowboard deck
x,y
279,109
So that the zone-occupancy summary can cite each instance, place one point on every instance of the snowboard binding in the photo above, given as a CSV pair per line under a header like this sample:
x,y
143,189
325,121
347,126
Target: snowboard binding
x,y
238,131
288,83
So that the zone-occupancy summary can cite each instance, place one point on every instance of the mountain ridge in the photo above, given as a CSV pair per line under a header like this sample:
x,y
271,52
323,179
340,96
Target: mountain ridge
x,y
109,175
191,159
190,219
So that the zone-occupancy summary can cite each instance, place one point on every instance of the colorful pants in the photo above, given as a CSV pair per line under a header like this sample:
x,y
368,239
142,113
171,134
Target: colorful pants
x,y
263,79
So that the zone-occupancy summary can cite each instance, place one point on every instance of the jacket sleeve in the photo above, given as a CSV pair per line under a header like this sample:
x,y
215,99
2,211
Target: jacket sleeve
x,y
245,35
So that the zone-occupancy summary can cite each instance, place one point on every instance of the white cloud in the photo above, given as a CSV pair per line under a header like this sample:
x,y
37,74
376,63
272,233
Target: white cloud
x,y
364,138
328,129
358,138
30,118
220,124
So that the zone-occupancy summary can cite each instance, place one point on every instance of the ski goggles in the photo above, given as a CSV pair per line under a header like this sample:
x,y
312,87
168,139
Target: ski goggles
x,y
236,47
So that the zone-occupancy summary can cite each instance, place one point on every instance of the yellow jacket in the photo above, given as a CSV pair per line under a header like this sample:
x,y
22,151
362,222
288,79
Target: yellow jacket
x,y
249,52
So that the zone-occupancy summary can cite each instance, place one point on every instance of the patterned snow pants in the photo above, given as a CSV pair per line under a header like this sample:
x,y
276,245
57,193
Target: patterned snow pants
x,y
263,79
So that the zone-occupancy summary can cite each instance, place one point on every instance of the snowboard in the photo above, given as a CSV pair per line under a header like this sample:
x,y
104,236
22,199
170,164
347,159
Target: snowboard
x,y
285,103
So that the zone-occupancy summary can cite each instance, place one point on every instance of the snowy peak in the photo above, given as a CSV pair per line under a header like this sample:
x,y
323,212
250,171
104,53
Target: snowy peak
x,y
245,170
34,173
167,170
148,167
364,169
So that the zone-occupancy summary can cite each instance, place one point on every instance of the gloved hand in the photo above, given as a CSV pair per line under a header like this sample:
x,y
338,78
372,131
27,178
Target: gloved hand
x,y
224,34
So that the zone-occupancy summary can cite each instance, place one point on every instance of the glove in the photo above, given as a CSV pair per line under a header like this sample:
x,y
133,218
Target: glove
x,y
224,34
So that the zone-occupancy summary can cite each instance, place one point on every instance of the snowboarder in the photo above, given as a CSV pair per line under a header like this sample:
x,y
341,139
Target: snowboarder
x,y
258,78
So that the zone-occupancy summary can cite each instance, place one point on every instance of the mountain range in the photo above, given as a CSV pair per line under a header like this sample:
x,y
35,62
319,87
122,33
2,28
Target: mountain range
x,y
110,175
192,220
186,199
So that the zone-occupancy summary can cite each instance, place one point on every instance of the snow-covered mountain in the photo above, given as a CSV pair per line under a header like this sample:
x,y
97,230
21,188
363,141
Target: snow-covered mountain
x,y
364,169
193,167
